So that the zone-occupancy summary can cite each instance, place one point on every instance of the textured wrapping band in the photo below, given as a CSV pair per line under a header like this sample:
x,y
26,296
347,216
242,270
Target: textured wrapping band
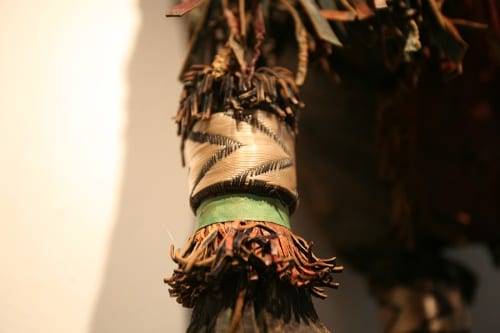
x,y
243,207
241,152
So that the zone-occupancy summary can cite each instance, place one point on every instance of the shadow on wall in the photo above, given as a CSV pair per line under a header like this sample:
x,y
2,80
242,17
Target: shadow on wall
x,y
153,200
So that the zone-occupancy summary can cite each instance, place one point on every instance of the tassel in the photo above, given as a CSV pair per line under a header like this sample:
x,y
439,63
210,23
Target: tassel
x,y
253,247
258,261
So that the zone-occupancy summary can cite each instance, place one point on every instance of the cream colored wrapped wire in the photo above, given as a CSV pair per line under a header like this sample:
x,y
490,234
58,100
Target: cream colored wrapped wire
x,y
234,152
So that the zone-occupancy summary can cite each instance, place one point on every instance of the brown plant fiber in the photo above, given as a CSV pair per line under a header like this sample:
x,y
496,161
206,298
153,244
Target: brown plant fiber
x,y
253,248
230,272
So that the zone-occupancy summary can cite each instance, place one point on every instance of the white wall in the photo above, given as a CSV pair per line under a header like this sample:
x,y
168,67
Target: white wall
x,y
69,121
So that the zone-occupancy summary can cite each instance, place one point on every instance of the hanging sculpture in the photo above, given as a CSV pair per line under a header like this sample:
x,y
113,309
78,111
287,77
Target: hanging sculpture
x,y
237,120
244,269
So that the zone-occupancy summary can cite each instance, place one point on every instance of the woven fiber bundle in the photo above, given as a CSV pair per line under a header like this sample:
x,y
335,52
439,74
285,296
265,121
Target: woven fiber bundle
x,y
243,269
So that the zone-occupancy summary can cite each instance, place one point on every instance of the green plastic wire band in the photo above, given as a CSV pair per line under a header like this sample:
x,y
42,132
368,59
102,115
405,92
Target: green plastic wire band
x,y
233,207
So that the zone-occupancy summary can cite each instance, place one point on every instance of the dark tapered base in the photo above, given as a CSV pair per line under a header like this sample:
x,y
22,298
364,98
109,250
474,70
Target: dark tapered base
x,y
265,305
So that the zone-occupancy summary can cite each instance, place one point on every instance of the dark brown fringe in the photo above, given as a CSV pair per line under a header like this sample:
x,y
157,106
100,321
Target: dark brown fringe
x,y
209,89
257,251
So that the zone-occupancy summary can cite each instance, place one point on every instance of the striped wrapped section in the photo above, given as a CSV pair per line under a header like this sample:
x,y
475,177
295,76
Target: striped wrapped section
x,y
251,152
